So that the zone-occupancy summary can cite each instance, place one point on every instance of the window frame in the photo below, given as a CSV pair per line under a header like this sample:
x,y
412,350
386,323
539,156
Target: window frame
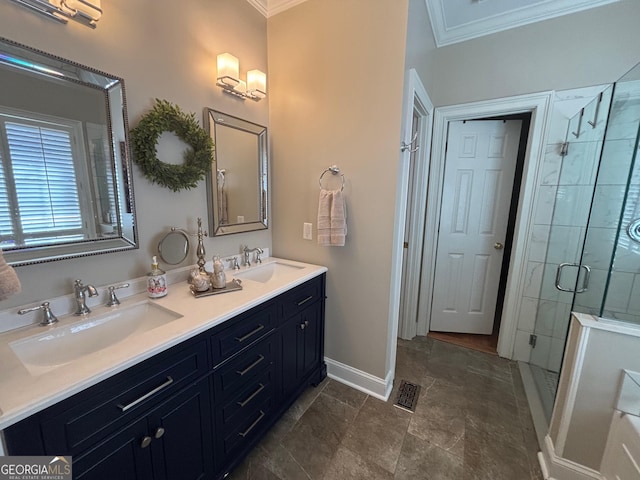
x,y
83,185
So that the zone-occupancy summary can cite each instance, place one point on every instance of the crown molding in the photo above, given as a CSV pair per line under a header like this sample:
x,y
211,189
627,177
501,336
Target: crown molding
x,y
545,9
269,8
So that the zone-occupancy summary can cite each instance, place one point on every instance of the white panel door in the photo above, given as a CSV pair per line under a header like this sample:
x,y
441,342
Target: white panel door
x,y
478,181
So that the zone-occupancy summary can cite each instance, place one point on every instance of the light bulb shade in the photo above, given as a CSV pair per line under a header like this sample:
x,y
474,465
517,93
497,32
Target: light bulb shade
x,y
89,9
257,83
228,70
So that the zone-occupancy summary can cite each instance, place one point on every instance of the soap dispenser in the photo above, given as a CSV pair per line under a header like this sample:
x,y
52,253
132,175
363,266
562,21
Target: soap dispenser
x,y
156,280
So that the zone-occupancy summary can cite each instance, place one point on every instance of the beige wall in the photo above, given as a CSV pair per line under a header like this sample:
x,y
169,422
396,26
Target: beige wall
x,y
161,51
336,82
593,47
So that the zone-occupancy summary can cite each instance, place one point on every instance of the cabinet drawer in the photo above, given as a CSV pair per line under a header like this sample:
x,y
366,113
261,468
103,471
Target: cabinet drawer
x,y
301,297
241,370
99,410
247,430
244,331
245,402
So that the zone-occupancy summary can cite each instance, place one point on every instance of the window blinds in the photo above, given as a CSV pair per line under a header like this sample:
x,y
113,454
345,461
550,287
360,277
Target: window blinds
x,y
40,202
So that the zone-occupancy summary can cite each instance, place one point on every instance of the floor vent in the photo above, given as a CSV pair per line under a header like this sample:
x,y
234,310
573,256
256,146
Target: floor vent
x,y
407,396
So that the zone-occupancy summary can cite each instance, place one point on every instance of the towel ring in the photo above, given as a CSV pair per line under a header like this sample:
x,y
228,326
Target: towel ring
x,y
334,171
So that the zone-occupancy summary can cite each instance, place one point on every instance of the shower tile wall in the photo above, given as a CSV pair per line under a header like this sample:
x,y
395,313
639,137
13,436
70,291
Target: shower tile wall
x,y
622,296
564,197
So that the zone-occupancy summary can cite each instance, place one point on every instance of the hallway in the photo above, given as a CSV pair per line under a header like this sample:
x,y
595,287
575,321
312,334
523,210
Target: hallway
x,y
472,422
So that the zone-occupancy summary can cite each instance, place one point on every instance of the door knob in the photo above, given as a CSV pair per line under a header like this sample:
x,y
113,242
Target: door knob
x,y
498,246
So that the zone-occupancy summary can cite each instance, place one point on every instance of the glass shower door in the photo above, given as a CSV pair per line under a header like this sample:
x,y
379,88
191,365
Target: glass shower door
x,y
612,244
565,273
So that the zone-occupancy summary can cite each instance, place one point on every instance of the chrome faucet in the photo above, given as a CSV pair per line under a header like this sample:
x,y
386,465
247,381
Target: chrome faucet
x,y
233,263
48,318
81,291
246,251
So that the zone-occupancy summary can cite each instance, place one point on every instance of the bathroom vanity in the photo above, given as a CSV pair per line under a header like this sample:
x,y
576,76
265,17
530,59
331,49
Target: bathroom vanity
x,y
194,409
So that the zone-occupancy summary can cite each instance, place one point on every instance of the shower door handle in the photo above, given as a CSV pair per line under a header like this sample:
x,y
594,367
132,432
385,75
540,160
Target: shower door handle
x,y
559,274
585,280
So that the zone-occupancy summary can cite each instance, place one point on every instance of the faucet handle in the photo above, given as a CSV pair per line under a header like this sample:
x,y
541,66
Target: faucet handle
x,y
113,300
259,252
48,318
233,261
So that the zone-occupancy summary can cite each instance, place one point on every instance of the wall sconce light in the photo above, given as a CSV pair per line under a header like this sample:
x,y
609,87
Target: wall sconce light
x,y
254,88
87,12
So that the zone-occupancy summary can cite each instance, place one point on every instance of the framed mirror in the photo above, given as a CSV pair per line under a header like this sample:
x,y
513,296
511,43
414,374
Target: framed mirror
x,y
237,185
65,168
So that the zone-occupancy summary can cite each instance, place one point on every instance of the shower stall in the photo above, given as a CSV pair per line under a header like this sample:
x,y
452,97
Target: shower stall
x,y
592,261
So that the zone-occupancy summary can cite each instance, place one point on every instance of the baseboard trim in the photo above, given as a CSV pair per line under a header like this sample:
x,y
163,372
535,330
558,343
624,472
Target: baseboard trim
x,y
558,468
363,381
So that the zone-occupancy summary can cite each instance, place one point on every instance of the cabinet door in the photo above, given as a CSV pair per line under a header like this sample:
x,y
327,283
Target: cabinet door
x,y
301,347
181,429
311,351
121,456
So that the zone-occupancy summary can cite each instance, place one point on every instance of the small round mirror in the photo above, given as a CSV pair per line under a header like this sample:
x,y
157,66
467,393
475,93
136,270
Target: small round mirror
x,y
174,247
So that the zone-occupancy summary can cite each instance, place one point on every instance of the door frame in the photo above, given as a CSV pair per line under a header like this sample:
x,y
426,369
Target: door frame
x,y
414,91
538,105
417,100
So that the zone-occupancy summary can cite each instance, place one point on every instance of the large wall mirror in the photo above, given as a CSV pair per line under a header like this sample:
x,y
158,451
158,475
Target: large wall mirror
x,y
65,170
237,185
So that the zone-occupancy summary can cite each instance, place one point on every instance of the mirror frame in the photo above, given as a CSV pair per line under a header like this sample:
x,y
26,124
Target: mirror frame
x,y
213,119
47,66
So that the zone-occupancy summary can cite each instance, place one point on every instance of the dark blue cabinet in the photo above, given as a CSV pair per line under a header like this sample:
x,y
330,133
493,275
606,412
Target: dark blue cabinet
x,y
117,456
194,411
173,441
302,357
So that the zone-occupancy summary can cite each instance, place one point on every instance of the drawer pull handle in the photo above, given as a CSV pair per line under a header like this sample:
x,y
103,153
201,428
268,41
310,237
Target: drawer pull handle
x,y
146,441
252,426
250,367
251,397
250,334
124,408
302,302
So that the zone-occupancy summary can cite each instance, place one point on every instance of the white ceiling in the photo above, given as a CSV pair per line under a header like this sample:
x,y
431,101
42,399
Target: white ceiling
x,y
455,21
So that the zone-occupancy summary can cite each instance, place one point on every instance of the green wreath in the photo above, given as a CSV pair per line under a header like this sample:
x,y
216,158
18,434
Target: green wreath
x,y
197,160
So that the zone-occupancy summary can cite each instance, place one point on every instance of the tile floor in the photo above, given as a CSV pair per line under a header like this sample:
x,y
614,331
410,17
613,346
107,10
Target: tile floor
x,y
472,422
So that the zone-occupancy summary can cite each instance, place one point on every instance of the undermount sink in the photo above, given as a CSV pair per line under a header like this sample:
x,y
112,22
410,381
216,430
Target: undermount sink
x,y
267,272
64,343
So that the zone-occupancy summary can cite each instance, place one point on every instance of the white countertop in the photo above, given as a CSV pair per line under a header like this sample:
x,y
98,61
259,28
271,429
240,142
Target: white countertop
x,y
23,393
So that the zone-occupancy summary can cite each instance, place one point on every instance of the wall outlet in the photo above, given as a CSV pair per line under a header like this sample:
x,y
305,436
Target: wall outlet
x,y
240,218
307,231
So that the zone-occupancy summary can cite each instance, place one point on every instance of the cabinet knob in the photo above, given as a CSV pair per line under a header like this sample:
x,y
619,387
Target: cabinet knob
x,y
146,441
159,432
304,325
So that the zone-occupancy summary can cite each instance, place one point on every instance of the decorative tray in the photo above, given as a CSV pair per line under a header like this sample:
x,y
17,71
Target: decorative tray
x,y
232,286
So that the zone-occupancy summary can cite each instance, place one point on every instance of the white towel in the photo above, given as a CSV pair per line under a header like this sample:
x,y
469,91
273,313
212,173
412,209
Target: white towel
x,y
9,282
332,218
324,218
